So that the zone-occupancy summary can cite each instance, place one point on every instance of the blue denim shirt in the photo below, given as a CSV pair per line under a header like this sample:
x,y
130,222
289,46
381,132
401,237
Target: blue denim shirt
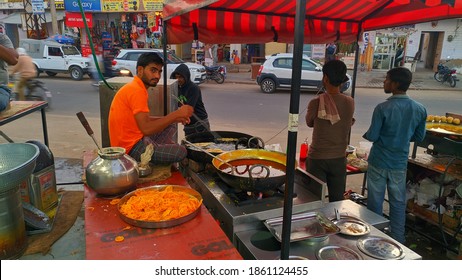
x,y
395,123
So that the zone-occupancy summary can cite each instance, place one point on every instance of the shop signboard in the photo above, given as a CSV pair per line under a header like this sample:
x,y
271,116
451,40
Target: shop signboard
x,y
75,20
38,7
87,5
59,4
106,41
318,51
131,6
153,5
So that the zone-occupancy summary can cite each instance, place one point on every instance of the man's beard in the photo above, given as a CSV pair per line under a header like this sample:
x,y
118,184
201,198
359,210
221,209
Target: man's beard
x,y
149,82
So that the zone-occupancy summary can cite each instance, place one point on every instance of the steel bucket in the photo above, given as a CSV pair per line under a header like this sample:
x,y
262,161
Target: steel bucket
x,y
17,162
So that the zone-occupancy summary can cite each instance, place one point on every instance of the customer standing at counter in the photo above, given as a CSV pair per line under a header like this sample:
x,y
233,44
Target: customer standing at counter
x,y
189,93
395,123
131,126
331,117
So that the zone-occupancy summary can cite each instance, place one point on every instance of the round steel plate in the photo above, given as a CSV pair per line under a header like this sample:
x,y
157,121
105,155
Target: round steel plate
x,y
352,227
380,248
294,258
334,252
160,224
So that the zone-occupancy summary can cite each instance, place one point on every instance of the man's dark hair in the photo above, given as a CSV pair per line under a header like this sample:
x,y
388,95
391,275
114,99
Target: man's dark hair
x,y
147,58
402,76
335,70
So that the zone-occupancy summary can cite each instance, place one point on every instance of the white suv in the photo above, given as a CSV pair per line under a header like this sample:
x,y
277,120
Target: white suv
x,y
276,72
124,64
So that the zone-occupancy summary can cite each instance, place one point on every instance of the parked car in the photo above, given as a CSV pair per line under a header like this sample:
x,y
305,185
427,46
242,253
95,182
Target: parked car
x,y
124,64
52,58
276,72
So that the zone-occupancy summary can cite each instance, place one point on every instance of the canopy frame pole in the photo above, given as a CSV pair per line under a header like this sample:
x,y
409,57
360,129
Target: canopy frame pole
x,y
355,67
164,50
293,126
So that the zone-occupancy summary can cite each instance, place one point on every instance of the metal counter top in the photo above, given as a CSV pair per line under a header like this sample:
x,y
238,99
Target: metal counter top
x,y
261,245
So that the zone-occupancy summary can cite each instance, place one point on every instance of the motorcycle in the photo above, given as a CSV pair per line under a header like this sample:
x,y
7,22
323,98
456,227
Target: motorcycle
x,y
35,91
444,74
216,73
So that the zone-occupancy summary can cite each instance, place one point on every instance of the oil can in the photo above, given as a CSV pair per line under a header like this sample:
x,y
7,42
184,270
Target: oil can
x,y
40,190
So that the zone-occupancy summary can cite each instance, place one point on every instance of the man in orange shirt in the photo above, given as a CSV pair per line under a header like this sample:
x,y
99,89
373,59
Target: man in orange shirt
x,y
131,126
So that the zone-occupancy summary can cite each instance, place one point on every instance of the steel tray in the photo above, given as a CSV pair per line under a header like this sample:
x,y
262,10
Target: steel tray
x,y
304,226
160,224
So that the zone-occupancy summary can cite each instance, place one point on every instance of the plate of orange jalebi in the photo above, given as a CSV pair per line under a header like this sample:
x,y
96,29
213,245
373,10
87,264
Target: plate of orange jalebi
x,y
159,206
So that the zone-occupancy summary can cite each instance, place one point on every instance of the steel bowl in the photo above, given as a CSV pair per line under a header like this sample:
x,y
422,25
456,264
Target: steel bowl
x,y
17,162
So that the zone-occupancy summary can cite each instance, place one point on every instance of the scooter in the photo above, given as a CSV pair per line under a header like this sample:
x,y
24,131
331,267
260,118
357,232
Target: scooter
x,y
444,74
216,73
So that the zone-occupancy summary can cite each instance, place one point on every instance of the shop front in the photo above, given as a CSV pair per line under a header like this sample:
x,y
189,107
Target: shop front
x,y
389,49
116,24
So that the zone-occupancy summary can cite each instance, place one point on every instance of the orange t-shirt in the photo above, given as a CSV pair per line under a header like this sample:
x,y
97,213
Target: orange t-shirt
x,y
130,100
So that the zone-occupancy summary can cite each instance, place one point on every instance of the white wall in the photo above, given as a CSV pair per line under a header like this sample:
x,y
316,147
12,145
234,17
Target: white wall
x,y
449,27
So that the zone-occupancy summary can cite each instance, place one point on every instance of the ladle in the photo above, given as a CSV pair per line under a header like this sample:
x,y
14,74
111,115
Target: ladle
x,y
87,127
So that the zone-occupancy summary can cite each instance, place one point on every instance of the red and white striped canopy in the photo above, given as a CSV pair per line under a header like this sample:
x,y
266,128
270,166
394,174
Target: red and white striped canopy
x,y
261,21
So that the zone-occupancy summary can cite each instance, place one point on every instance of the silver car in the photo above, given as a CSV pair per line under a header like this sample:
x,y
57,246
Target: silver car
x,y
124,64
276,72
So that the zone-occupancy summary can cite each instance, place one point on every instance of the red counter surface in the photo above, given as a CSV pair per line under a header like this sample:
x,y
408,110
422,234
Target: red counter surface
x,y
198,239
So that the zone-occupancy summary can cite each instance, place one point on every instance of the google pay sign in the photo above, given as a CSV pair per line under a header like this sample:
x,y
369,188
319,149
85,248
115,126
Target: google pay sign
x,y
87,5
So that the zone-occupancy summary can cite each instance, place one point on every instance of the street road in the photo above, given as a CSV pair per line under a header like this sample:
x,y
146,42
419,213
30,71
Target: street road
x,y
231,107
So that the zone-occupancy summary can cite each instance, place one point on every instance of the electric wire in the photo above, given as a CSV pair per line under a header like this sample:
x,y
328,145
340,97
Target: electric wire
x,y
284,128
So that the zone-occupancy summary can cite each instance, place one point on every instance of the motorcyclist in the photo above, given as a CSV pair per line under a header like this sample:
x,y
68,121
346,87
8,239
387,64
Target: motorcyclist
x,y
26,70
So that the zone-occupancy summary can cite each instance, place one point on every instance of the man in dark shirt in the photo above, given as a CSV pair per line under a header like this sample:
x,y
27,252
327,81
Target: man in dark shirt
x,y
189,93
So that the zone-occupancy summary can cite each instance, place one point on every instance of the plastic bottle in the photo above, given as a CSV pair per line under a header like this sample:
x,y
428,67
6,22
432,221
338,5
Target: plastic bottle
x,y
304,150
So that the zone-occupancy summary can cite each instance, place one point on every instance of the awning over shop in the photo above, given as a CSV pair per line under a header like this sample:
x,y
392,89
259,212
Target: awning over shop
x,y
15,18
248,21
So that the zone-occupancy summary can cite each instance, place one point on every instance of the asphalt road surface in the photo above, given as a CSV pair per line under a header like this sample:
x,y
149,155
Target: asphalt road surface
x,y
231,107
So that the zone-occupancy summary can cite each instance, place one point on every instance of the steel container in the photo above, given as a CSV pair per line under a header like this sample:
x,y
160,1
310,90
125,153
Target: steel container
x,y
17,162
112,173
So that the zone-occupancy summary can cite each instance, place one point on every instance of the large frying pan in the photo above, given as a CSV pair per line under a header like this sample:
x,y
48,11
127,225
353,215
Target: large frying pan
x,y
256,170
228,139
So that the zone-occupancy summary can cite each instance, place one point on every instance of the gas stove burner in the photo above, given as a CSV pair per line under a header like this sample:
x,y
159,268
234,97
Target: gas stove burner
x,y
241,198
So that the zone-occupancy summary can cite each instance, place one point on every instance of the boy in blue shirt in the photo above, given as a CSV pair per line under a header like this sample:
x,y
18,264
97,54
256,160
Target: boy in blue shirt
x,y
395,123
